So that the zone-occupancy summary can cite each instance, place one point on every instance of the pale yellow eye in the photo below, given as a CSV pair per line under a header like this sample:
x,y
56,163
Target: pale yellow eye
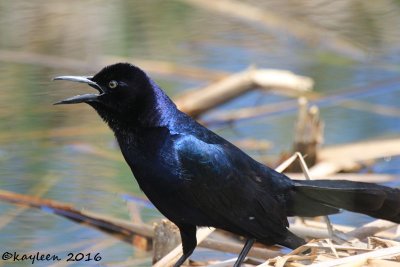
x,y
113,84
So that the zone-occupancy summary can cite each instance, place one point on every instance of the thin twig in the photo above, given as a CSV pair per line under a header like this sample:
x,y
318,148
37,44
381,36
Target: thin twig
x,y
380,253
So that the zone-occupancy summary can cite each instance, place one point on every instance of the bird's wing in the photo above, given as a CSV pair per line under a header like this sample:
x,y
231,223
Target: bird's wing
x,y
224,183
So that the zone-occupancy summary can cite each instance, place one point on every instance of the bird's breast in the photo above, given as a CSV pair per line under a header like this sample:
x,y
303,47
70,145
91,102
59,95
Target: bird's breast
x,y
151,157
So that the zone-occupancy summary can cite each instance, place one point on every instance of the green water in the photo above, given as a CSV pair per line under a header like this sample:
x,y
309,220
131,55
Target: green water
x,y
66,153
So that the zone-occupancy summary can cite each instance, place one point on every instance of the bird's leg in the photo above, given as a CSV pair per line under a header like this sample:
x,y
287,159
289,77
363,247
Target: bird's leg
x,y
189,242
247,246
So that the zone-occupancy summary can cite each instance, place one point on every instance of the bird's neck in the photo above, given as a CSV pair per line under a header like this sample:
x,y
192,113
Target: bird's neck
x,y
159,110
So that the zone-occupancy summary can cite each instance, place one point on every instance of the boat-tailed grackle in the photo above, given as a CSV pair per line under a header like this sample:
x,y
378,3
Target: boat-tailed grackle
x,y
197,178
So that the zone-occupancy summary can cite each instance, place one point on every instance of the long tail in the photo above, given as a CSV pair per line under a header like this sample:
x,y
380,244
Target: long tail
x,y
322,197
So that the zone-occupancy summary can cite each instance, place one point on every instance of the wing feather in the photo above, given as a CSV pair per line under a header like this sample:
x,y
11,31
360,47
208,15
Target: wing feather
x,y
225,184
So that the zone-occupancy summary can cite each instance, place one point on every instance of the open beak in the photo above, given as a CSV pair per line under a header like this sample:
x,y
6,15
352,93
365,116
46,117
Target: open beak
x,y
80,98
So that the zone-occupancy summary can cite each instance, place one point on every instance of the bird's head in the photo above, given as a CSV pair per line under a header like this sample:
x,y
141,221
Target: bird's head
x,y
124,92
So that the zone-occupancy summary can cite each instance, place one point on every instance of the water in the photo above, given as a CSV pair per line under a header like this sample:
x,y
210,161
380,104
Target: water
x,y
67,154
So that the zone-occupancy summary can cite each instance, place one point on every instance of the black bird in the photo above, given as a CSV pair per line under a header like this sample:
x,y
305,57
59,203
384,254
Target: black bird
x,y
197,178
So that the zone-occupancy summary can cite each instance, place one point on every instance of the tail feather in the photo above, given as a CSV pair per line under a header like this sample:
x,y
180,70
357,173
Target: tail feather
x,y
390,209
329,196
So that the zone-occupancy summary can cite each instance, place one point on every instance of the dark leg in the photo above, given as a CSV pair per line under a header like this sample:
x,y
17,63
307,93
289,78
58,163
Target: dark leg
x,y
189,242
247,246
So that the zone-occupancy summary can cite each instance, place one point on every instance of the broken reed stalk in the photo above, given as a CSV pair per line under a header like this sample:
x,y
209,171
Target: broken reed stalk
x,y
196,102
174,254
166,238
347,157
370,229
344,95
120,229
231,247
308,135
316,229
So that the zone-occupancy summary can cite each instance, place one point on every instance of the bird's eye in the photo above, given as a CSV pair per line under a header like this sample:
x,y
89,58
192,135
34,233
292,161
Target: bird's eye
x,y
113,84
